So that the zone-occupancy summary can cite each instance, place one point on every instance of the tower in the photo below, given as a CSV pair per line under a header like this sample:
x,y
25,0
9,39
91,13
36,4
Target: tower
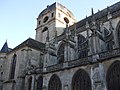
x,y
52,19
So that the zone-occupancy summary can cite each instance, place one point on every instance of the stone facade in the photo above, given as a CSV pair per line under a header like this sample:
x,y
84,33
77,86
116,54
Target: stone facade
x,y
66,55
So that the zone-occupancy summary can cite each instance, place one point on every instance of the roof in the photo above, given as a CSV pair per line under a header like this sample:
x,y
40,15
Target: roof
x,y
49,8
53,6
5,48
31,43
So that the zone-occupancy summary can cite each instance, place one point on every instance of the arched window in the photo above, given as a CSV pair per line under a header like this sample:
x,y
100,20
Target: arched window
x,y
109,42
81,39
45,19
45,29
40,83
54,83
113,76
118,32
13,66
81,81
60,53
44,34
30,83
82,50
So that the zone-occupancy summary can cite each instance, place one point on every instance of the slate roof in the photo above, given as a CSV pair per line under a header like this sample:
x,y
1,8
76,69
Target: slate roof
x,y
31,43
5,48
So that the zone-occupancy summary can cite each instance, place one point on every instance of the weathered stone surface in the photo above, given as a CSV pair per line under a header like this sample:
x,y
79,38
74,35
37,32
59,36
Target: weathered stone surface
x,y
90,46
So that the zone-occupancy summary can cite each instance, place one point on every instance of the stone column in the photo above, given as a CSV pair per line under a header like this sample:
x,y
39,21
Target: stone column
x,y
94,47
67,47
67,52
46,59
47,48
33,82
94,44
76,47
26,82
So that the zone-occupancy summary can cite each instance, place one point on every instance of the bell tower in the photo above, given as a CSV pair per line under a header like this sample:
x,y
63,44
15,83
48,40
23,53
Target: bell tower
x,y
52,19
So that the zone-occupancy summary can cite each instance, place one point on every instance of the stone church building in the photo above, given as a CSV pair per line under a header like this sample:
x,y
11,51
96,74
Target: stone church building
x,y
66,54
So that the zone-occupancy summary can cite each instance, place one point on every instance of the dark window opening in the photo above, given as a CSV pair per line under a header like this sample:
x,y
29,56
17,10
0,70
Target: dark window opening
x,y
40,83
109,44
45,29
54,83
81,39
118,31
45,19
82,47
113,76
39,22
13,66
52,15
29,83
1,73
81,81
83,54
60,53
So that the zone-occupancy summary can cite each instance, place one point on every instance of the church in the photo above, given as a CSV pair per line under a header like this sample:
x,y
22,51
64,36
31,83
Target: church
x,y
66,54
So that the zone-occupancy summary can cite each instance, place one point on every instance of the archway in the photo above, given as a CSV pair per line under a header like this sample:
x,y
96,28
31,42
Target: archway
x,y
55,83
81,81
113,76
60,53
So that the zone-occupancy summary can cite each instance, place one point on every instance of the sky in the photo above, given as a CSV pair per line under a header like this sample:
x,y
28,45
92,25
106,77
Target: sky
x,y
18,17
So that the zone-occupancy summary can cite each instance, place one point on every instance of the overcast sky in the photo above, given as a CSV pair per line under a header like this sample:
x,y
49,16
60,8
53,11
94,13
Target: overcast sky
x,y
18,17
